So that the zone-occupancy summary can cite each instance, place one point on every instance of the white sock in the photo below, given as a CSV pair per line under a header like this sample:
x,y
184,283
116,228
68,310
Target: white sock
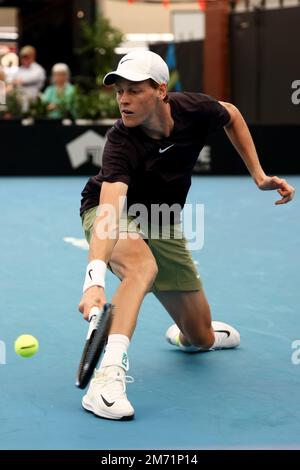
x,y
116,352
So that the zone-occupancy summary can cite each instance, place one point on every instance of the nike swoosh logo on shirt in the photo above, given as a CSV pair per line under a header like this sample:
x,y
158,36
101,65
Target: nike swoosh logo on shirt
x,y
90,271
107,403
167,148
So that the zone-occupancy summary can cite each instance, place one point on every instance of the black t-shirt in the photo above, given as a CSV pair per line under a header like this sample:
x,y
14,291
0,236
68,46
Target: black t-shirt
x,y
158,171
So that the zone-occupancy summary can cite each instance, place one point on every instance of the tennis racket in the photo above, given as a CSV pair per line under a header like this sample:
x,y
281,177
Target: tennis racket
x,y
100,321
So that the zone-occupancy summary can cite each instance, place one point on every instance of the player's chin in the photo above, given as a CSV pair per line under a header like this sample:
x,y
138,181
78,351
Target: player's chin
x,y
130,121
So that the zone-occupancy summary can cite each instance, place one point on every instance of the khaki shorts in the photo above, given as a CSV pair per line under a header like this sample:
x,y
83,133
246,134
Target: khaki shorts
x,y
176,268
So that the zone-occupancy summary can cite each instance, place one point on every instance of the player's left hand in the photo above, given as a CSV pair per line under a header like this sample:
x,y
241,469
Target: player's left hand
x,y
285,190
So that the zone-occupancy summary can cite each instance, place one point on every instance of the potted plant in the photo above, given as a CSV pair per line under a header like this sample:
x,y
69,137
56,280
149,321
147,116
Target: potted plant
x,y
93,102
98,51
11,111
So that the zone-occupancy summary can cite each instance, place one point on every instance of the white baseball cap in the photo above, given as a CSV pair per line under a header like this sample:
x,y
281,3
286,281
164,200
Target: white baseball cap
x,y
138,66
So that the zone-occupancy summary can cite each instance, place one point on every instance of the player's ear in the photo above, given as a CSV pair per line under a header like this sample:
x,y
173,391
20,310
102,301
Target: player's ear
x,y
163,91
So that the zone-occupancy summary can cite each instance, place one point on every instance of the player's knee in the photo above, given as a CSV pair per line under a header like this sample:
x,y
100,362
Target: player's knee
x,y
148,271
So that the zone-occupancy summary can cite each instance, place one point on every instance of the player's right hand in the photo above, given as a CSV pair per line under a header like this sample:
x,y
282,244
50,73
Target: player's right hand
x,y
93,297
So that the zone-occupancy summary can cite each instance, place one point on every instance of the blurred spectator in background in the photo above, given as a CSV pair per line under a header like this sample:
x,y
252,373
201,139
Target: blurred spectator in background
x,y
59,94
2,88
30,77
2,75
10,64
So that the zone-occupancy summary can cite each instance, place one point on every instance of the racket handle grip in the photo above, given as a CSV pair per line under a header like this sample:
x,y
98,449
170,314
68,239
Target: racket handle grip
x,y
93,320
94,312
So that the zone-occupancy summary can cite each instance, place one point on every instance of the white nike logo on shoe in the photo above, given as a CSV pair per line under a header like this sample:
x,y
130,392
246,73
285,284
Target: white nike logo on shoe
x,y
167,148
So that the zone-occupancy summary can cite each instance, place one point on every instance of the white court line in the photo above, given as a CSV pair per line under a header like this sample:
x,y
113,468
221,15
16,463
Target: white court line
x,y
78,242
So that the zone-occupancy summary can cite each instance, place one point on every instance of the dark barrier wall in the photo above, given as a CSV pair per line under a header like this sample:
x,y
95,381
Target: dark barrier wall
x,y
50,149
276,147
53,149
265,60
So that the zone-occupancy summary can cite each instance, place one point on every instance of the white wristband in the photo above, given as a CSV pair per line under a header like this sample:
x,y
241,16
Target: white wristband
x,y
95,274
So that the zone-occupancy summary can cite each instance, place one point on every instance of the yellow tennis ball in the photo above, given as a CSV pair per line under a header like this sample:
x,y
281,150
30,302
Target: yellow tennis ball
x,y
26,345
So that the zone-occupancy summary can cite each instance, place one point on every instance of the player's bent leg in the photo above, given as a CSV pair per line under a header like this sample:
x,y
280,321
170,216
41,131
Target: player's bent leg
x,y
133,263
193,330
226,337
191,313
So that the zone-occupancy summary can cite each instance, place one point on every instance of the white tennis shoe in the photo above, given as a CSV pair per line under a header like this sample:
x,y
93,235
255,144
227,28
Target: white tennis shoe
x,y
106,396
225,337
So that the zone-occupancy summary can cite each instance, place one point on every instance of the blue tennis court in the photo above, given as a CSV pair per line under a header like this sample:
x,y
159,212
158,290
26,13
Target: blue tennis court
x,y
244,398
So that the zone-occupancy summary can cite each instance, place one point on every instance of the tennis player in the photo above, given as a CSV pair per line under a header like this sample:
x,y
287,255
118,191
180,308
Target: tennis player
x,y
148,160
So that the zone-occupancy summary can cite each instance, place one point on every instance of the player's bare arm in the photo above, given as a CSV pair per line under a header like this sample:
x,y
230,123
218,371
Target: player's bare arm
x,y
239,135
104,238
